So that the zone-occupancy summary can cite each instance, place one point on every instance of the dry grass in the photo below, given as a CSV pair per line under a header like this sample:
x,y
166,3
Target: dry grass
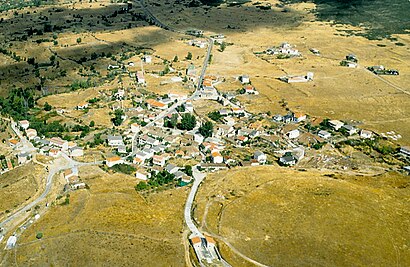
x,y
18,186
283,217
109,224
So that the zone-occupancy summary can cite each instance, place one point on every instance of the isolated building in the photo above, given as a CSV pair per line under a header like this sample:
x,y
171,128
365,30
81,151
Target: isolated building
x,y
324,134
260,157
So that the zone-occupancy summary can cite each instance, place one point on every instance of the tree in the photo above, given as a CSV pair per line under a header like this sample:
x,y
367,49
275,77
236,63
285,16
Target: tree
x,y
52,58
47,106
117,120
78,40
189,56
188,170
171,122
188,122
176,59
206,129
141,186
39,235
214,115
222,47
92,123
31,61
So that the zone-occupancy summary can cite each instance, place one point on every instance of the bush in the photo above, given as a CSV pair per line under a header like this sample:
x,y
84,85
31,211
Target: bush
x,y
39,235
47,106
124,168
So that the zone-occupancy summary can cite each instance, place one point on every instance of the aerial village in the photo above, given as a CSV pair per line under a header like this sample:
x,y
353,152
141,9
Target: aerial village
x,y
166,136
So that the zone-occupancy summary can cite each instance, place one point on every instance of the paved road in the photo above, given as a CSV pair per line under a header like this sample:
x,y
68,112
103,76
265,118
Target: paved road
x,y
160,116
60,164
198,178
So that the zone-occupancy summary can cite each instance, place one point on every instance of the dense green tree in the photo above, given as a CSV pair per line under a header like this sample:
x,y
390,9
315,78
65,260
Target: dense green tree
x,y
117,120
47,106
189,56
206,129
171,122
188,122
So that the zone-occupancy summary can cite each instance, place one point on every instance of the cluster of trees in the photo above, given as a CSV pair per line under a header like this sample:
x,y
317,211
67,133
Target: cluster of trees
x,y
156,180
83,84
18,103
215,116
10,54
118,114
206,129
97,140
124,168
171,122
188,122
367,145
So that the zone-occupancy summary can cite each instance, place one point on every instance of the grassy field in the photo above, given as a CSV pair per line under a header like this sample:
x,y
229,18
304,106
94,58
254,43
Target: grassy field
x,y
18,186
282,217
109,224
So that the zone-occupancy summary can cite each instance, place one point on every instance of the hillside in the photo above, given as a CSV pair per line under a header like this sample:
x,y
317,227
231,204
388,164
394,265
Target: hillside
x,y
108,224
282,217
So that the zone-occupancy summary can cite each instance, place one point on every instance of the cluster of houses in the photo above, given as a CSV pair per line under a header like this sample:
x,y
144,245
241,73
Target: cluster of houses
x,y
283,50
350,61
297,78
198,43
50,147
73,180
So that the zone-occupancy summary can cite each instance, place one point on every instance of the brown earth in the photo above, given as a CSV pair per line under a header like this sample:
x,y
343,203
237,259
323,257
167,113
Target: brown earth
x,y
282,217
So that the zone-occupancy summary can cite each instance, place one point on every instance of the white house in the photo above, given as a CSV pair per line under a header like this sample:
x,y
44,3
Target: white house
x,y
115,140
366,134
24,124
147,59
336,124
260,157
122,149
288,160
76,151
293,134
198,138
158,160
171,168
189,107
11,242
298,117
324,134
405,150
82,105
217,157
54,152
350,129
31,134
114,161
140,77
143,174
23,158
58,142
244,79
298,79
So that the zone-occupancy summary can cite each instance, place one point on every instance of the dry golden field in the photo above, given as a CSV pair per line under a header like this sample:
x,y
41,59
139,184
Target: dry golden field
x,y
282,217
109,224
336,92
19,186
